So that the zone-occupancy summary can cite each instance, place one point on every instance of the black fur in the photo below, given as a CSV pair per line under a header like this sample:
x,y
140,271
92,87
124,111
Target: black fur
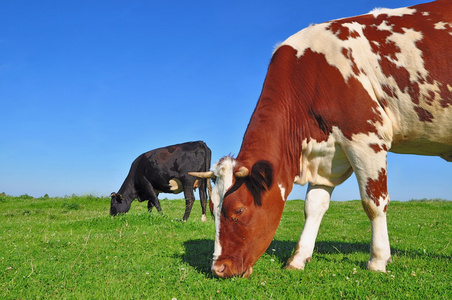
x,y
259,180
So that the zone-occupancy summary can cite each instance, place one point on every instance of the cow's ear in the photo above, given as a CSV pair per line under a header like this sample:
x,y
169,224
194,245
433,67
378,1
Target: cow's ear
x,y
118,197
260,180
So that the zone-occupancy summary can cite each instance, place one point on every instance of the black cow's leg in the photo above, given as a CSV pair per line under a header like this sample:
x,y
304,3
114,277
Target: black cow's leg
x,y
189,199
149,194
151,203
203,198
155,202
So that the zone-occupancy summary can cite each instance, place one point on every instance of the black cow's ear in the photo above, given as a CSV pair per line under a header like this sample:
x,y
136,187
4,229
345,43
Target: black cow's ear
x,y
260,180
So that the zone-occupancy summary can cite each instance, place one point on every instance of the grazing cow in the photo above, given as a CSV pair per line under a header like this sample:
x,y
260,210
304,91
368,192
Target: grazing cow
x,y
164,170
337,97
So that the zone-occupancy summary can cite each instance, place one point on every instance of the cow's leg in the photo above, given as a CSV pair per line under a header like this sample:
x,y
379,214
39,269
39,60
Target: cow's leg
x,y
375,200
189,198
147,193
155,201
203,198
151,203
316,204
370,170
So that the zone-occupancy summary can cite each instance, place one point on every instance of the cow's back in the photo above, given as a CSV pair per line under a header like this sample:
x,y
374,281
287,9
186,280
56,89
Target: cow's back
x,y
404,65
176,159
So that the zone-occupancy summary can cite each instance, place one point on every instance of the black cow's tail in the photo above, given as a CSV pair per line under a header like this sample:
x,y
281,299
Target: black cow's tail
x,y
207,168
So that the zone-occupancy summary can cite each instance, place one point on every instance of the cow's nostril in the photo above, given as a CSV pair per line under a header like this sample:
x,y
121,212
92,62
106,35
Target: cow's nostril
x,y
218,270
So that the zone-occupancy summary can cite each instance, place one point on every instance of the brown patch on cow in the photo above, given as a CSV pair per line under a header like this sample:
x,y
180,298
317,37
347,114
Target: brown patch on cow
x,y
370,211
171,149
342,32
383,103
390,91
423,114
348,54
377,188
377,148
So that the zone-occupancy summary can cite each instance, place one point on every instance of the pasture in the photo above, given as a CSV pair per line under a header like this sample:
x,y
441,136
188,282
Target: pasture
x,y
70,248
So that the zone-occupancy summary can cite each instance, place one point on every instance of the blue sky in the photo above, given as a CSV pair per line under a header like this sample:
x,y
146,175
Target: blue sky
x,y
87,86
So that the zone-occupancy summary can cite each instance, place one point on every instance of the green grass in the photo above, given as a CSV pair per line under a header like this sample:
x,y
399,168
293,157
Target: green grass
x,y
70,248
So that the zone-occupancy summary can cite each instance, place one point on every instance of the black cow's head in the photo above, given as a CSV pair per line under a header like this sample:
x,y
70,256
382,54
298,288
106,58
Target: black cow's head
x,y
119,203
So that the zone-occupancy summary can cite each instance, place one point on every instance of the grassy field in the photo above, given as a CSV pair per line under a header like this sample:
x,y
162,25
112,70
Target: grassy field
x,y
70,248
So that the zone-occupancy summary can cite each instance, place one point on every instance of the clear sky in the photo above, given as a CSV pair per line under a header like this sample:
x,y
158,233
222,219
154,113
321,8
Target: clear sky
x,y
87,86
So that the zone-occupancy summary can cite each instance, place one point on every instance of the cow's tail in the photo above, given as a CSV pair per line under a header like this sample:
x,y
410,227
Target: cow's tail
x,y
207,168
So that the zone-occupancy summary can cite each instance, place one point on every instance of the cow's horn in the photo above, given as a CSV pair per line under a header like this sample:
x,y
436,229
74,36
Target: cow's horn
x,y
208,174
242,172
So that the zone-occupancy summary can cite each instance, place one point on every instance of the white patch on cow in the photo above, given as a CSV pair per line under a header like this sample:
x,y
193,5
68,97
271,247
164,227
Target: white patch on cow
x,y
283,192
410,56
323,163
354,26
440,25
392,12
223,171
384,26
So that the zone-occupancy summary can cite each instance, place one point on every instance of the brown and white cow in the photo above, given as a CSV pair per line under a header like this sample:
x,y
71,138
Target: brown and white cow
x,y
337,97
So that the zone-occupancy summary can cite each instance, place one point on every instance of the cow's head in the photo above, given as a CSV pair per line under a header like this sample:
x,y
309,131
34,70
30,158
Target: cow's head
x,y
247,206
120,203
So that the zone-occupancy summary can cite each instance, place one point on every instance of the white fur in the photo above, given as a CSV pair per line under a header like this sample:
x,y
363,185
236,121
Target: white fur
x,y
223,171
392,12
316,205
283,191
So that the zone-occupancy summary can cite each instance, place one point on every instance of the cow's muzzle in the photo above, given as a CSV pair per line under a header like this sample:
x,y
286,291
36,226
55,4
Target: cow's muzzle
x,y
226,268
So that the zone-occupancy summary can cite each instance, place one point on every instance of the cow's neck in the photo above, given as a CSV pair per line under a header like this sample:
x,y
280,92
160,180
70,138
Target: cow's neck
x,y
278,125
128,187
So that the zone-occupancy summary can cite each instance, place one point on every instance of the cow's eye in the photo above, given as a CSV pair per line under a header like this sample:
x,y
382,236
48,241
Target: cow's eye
x,y
239,210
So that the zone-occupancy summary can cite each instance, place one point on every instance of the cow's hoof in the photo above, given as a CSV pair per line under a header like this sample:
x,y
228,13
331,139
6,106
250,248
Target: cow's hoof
x,y
378,265
203,218
292,267
292,264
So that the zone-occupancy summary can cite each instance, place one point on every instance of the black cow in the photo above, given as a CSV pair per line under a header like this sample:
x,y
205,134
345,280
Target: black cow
x,y
164,170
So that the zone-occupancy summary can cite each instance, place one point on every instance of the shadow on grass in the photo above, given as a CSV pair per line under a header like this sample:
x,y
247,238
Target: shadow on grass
x,y
283,250
198,253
